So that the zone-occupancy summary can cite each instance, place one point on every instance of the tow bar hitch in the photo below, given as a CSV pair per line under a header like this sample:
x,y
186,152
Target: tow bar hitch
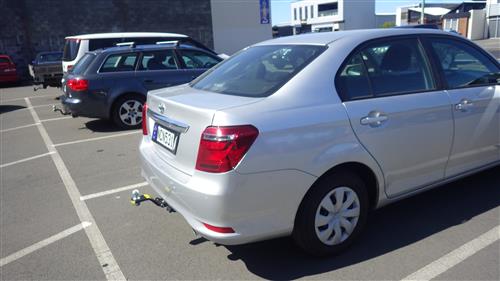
x,y
57,109
137,198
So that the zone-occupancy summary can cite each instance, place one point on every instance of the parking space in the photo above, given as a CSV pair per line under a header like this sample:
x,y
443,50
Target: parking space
x,y
47,233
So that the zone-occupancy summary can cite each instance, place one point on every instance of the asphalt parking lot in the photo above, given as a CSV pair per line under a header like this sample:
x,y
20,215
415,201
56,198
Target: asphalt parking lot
x,y
65,214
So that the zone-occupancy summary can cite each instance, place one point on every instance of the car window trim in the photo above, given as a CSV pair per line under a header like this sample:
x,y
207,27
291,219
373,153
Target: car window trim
x,y
427,38
364,44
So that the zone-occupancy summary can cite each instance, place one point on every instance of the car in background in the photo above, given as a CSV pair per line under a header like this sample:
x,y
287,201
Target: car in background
x,y
77,46
46,69
8,70
303,135
113,83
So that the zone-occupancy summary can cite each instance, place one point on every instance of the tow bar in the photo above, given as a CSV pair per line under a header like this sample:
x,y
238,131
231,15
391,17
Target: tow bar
x,y
137,198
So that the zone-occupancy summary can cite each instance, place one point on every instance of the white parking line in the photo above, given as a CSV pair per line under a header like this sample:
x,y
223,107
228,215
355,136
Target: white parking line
x,y
453,258
31,97
26,159
111,191
55,119
28,250
16,128
99,245
97,138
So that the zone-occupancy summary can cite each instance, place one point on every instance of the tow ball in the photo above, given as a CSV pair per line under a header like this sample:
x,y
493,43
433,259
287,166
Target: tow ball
x,y
137,198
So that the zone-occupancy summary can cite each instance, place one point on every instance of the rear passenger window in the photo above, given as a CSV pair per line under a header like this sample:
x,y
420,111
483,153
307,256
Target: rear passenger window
x,y
463,65
352,83
197,59
119,62
158,60
397,67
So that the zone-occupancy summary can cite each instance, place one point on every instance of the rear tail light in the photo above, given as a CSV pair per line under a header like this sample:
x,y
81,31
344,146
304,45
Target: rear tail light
x,y
222,148
78,84
218,228
10,70
145,119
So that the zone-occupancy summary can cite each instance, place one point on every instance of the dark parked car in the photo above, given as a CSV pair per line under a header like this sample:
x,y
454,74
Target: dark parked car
x,y
113,83
46,69
8,72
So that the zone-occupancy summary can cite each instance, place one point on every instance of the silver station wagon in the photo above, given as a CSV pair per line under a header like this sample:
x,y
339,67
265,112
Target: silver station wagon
x,y
304,135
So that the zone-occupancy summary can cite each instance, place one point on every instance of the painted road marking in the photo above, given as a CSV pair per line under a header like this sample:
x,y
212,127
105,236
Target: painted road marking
x,y
16,128
37,246
31,97
112,191
97,138
55,119
25,159
101,249
453,258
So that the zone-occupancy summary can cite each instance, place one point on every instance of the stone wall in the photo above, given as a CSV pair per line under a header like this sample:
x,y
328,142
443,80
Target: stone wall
x,y
31,26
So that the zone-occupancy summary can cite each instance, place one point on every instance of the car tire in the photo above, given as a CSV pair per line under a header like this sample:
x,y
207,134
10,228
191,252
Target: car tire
x,y
322,228
127,111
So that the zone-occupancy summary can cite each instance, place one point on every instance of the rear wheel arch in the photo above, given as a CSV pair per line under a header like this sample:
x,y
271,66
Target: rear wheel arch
x,y
115,107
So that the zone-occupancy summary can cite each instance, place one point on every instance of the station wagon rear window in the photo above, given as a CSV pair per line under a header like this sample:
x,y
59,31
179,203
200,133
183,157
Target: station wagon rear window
x,y
83,63
258,71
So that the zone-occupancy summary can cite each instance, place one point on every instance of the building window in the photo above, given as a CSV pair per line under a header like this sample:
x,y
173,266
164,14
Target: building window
x,y
329,9
312,11
300,13
294,13
305,13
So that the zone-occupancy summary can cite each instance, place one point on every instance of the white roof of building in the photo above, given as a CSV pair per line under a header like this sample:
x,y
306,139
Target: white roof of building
x,y
125,34
433,11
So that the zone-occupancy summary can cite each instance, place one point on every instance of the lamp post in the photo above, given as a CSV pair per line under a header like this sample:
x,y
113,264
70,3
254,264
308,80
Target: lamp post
x,y
422,14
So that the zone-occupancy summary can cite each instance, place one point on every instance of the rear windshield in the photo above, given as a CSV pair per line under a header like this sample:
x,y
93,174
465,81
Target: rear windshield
x,y
83,63
50,57
70,51
4,60
258,71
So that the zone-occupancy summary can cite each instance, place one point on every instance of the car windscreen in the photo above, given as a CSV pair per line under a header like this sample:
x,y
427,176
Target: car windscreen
x,y
258,71
71,47
49,57
83,63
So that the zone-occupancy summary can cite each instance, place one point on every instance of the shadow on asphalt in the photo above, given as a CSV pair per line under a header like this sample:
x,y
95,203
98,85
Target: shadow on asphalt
x,y
102,126
388,229
9,108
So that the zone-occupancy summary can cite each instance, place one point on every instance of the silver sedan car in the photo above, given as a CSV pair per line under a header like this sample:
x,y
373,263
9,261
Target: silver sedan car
x,y
304,135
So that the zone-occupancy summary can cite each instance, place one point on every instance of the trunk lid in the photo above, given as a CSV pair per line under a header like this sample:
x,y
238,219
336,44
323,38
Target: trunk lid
x,y
190,108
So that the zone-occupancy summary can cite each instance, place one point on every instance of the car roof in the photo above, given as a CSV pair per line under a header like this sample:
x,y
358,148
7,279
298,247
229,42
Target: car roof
x,y
356,36
124,34
151,47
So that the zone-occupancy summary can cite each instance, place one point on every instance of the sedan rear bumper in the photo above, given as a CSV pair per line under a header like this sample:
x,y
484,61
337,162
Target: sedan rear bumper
x,y
257,206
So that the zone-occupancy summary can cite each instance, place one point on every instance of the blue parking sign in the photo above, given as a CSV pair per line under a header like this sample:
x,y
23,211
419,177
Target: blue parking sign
x,y
265,12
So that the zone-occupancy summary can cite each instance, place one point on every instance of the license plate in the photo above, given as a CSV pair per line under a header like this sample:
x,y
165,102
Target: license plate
x,y
166,138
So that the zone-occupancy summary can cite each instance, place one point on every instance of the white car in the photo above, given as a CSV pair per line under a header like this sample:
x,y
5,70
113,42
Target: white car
x,y
77,46
303,135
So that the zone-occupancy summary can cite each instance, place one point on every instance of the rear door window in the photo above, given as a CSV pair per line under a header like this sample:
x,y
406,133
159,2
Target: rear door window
x,y
70,51
119,62
197,59
463,65
397,67
353,82
158,60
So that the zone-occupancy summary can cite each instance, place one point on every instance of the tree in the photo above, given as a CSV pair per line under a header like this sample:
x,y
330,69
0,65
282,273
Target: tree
x,y
388,24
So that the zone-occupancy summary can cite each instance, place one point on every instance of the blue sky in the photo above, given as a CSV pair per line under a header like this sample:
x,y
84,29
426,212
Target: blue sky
x,y
280,9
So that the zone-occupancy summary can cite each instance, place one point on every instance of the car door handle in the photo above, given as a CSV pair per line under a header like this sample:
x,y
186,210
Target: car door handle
x,y
464,105
374,119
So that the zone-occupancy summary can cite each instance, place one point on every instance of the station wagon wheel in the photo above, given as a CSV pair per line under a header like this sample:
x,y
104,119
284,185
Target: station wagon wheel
x,y
127,112
332,214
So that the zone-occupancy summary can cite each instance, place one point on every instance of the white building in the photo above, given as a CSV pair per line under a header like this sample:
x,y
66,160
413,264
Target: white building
x,y
332,15
238,24
493,18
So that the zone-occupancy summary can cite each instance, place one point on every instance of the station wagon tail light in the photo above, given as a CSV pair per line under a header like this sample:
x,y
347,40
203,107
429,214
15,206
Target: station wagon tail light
x,y
78,84
222,148
145,119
